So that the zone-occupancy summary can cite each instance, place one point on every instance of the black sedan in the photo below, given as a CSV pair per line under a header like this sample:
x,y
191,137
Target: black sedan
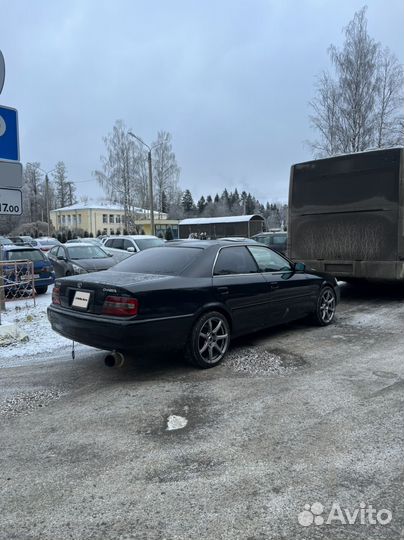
x,y
192,296
79,258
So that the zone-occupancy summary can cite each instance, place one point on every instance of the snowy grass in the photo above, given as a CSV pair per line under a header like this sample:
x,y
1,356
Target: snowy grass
x,y
31,320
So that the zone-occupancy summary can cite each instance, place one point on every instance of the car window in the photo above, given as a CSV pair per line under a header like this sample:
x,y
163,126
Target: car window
x,y
127,243
263,240
234,260
86,252
165,261
116,243
279,239
59,252
268,260
53,251
27,254
146,243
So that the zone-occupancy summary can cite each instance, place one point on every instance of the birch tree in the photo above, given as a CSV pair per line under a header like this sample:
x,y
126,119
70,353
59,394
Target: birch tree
x,y
359,106
166,171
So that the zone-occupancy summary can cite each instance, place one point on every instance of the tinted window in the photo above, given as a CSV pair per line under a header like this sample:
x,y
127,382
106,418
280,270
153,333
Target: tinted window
x,y
27,254
234,260
263,240
268,260
48,242
165,261
86,252
149,243
127,243
279,239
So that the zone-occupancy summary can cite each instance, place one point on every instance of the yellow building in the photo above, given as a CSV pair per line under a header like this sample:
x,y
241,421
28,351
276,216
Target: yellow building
x,y
108,219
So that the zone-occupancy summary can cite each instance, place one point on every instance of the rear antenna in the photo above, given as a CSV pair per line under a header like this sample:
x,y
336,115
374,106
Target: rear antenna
x,y
73,352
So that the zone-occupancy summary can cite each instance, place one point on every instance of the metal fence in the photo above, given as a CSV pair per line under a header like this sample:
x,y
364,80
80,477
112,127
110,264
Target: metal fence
x,y
16,280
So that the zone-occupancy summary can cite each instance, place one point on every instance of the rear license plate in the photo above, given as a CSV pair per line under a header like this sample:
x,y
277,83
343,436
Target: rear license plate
x,y
36,276
81,299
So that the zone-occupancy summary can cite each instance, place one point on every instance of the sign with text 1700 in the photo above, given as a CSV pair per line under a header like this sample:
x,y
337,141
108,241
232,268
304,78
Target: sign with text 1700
x,y
10,202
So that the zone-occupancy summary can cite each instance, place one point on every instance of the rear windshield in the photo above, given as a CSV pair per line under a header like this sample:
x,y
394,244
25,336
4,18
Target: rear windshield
x,y
86,252
26,254
146,243
164,261
48,242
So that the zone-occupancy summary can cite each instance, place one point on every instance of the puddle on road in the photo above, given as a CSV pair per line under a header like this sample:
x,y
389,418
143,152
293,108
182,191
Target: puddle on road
x,y
256,360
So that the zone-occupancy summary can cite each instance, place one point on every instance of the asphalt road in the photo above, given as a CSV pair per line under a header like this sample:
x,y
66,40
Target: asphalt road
x,y
296,415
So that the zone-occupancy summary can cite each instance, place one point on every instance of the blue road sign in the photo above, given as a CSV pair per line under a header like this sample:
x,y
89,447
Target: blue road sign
x,y
9,134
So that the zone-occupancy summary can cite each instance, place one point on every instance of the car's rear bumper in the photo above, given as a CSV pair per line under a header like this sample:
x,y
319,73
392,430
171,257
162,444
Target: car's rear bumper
x,y
122,335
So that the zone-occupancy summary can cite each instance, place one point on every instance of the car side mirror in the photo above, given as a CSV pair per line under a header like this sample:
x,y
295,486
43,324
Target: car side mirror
x,y
61,258
131,249
300,267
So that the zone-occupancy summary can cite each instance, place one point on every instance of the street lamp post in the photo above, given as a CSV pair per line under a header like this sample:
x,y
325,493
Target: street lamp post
x,y
149,159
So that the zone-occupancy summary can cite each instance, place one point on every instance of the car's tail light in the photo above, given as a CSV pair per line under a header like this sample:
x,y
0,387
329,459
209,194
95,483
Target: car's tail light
x,y
56,295
120,306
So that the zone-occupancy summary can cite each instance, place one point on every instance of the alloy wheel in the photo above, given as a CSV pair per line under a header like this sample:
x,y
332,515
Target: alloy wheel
x,y
327,306
213,340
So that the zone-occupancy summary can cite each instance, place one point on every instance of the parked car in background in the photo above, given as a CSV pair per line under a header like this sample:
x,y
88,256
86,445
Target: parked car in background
x,y
5,241
44,274
238,239
275,240
79,258
21,240
45,243
85,240
133,242
192,296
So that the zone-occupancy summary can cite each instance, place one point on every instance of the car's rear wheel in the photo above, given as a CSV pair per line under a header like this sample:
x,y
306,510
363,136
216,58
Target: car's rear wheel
x,y
41,290
325,309
209,340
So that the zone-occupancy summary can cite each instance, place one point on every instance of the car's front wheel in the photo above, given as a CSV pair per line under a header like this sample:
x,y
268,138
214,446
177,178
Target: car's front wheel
x,y
209,340
326,305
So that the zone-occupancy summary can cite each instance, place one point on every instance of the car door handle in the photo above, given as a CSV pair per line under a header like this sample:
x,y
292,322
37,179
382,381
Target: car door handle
x,y
274,286
223,290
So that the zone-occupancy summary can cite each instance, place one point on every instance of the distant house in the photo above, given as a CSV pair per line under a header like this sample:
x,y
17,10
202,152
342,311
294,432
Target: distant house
x,y
219,227
108,218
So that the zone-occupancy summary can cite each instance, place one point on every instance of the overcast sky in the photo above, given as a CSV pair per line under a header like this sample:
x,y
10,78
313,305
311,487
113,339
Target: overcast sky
x,y
230,80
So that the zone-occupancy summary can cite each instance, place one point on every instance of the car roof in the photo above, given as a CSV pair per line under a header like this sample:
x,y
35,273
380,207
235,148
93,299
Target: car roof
x,y
79,244
272,233
133,236
204,244
24,247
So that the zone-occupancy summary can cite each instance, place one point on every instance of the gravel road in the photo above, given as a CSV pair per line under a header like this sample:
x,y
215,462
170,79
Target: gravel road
x,y
159,450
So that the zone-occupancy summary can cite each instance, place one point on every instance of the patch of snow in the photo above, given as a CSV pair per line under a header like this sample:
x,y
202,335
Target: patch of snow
x,y
176,422
32,321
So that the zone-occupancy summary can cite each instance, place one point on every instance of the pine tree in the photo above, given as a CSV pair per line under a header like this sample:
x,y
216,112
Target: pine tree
x,y
201,204
187,202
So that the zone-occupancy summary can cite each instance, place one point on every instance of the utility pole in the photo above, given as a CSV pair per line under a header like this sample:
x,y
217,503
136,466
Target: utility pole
x,y
149,159
47,202
151,192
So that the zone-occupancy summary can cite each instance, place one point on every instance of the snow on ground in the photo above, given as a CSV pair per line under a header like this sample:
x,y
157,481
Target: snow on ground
x,y
31,320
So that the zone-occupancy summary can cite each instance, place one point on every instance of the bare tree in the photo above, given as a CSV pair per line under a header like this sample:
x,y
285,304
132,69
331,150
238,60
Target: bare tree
x,y
116,176
389,120
359,108
165,171
34,191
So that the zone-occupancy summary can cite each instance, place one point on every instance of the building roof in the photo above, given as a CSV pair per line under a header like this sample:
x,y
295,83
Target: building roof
x,y
108,207
224,219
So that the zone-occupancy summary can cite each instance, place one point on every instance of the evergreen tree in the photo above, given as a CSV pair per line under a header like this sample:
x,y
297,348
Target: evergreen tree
x,y
187,202
201,204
